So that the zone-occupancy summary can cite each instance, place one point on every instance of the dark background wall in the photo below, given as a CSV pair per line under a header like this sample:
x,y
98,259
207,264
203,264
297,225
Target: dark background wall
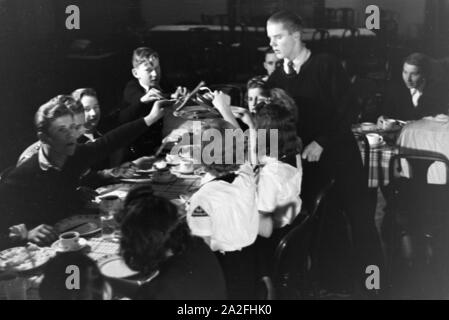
x,y
38,54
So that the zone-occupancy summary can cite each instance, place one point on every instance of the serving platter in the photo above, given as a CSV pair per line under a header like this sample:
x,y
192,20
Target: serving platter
x,y
25,258
197,113
85,225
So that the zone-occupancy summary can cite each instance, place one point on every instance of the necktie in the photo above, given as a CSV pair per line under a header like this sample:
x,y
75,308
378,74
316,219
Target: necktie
x,y
415,97
291,69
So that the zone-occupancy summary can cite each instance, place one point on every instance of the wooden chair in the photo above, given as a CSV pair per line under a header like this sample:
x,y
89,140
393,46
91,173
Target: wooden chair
x,y
419,218
295,260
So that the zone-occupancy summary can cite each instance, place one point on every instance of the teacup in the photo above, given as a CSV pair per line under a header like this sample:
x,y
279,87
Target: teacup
x,y
374,139
186,166
160,165
69,240
365,126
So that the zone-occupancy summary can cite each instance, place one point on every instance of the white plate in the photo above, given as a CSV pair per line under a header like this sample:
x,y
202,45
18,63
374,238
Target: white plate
x,y
23,259
86,225
196,113
377,145
114,266
82,243
176,170
145,172
143,180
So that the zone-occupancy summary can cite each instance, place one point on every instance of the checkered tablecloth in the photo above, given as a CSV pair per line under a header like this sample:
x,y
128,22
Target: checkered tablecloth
x,y
379,162
100,247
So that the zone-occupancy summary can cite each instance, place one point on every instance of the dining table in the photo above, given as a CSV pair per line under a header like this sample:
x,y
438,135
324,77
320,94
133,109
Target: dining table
x,y
379,155
99,247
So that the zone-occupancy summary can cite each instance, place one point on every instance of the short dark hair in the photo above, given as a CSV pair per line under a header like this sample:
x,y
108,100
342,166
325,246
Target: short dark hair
x,y
53,286
268,51
151,226
258,82
421,61
78,94
141,54
58,106
280,96
273,116
291,21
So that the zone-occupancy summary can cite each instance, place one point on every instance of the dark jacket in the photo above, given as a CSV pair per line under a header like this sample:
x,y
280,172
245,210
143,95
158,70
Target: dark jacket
x,y
32,196
132,109
399,105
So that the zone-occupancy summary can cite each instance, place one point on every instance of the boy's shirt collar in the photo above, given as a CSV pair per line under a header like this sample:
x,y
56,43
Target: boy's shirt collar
x,y
146,88
44,162
298,61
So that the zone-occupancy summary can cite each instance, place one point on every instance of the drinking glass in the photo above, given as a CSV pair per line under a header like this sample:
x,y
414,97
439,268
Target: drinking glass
x,y
109,208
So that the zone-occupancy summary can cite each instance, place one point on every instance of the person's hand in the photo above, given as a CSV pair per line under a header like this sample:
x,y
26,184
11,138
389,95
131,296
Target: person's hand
x,y
145,163
86,194
152,95
221,101
312,152
42,235
18,232
245,116
157,111
179,93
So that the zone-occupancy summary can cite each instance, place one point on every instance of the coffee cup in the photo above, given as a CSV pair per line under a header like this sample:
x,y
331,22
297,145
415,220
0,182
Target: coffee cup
x,y
69,240
365,126
186,166
374,139
160,165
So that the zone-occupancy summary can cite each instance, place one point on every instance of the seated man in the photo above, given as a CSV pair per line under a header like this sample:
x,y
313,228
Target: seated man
x,y
43,189
417,96
139,97
430,134
78,116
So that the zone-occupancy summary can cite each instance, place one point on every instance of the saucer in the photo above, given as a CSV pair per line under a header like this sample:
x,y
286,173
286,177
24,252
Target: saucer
x,y
82,243
177,170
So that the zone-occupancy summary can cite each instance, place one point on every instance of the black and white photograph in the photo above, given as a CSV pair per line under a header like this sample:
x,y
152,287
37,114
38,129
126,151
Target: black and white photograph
x,y
215,150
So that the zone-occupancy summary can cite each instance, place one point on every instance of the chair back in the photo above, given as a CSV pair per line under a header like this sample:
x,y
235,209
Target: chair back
x,y
414,192
295,257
